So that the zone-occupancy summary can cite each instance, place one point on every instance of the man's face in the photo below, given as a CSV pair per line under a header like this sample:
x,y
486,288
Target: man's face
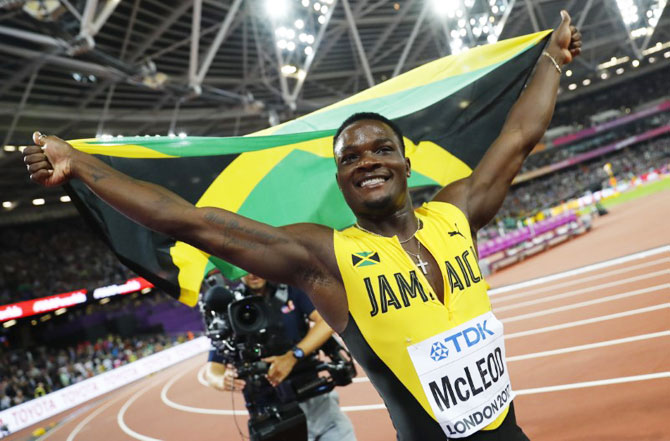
x,y
254,282
372,170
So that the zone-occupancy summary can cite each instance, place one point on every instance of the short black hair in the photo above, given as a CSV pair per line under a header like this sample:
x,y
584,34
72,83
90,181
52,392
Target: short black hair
x,y
375,117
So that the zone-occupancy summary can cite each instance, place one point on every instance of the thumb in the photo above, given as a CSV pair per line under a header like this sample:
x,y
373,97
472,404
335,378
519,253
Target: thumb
x,y
38,139
565,18
270,359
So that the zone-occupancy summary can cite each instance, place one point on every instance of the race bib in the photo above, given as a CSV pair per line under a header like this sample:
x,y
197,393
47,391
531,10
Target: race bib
x,y
464,375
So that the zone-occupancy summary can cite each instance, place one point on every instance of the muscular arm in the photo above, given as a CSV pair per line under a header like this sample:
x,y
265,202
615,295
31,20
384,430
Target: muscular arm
x,y
271,252
299,254
482,193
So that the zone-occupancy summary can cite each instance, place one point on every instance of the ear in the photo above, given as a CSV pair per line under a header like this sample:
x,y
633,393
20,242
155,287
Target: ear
x,y
408,166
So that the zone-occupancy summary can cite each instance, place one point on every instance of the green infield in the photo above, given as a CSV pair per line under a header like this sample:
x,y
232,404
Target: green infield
x,y
641,191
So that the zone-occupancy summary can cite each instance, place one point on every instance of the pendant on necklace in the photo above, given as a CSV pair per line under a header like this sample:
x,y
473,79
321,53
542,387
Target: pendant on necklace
x,y
422,264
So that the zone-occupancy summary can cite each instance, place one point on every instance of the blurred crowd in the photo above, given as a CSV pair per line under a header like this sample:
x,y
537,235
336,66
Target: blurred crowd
x,y
52,258
554,155
547,191
27,374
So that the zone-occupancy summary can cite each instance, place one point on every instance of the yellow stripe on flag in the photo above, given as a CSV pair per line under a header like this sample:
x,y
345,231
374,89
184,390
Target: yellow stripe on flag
x,y
228,191
119,150
436,163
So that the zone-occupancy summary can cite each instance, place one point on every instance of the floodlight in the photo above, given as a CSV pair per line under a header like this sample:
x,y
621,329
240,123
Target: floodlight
x,y
276,8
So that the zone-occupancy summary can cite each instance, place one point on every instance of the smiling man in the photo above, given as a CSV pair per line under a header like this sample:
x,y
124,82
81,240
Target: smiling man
x,y
402,287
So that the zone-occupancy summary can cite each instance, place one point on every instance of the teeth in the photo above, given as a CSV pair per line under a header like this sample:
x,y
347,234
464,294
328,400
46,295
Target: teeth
x,y
371,182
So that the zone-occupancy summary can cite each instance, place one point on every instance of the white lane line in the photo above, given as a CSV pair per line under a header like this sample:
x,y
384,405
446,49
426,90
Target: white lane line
x,y
72,416
122,412
577,292
586,347
601,318
585,384
201,376
579,281
90,416
586,303
582,270
191,409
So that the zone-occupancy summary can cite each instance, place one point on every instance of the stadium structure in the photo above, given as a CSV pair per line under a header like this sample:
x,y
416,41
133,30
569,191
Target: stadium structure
x,y
577,258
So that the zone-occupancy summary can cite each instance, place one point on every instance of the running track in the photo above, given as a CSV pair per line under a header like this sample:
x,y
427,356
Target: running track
x,y
588,352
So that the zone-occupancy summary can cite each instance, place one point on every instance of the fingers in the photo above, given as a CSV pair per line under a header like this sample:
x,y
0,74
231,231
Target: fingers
x,y
271,375
228,382
231,382
34,157
31,150
35,160
41,175
275,375
37,166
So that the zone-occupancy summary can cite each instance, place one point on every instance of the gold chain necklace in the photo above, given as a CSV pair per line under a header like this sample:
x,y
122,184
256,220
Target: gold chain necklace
x,y
419,225
420,262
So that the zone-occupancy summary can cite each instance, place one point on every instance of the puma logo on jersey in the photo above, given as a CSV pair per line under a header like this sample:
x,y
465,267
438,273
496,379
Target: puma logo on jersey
x,y
456,233
365,258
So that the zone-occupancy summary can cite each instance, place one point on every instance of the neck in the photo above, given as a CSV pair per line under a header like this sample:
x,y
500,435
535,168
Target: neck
x,y
402,223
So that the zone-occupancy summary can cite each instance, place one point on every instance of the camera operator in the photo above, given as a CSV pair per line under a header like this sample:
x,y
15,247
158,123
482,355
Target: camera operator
x,y
325,420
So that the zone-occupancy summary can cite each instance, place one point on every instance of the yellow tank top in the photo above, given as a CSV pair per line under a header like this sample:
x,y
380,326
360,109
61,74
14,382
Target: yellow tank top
x,y
391,303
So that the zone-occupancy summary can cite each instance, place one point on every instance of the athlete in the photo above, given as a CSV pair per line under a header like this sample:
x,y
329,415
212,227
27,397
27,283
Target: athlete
x,y
404,293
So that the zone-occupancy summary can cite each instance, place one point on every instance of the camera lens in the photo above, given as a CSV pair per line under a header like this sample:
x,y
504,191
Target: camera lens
x,y
249,317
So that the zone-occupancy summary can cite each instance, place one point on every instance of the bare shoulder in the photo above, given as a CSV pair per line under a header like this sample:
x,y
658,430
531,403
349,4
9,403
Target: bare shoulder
x,y
455,193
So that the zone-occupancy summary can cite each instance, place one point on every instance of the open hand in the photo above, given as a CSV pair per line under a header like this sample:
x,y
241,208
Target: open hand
x,y
568,39
49,161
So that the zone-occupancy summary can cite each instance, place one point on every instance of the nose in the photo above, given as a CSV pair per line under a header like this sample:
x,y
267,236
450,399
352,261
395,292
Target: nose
x,y
368,161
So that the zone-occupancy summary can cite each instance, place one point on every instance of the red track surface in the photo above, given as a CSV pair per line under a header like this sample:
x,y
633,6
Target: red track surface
x,y
635,358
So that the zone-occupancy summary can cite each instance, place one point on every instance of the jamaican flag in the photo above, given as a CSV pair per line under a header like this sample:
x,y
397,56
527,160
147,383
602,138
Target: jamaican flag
x,y
450,111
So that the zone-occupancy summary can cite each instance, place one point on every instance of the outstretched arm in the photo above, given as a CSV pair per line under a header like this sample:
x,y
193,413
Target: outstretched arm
x,y
481,194
288,254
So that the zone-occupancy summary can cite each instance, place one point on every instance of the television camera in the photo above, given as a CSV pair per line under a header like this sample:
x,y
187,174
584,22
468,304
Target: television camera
x,y
244,330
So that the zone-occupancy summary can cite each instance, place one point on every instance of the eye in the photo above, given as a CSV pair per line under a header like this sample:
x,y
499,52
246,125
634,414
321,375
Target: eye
x,y
384,149
347,159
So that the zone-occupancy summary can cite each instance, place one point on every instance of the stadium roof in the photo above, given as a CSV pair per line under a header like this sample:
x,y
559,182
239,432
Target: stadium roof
x,y
81,68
